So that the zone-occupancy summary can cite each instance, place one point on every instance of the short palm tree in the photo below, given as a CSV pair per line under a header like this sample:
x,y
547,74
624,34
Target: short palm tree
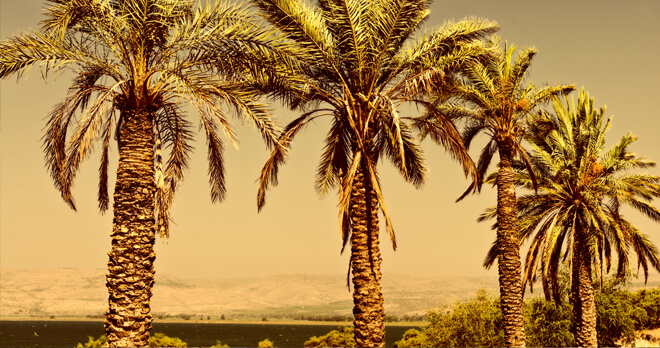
x,y
577,207
497,103
136,62
355,64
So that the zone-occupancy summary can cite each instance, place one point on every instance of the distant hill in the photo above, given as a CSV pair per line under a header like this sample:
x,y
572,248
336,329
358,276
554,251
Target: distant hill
x,y
75,292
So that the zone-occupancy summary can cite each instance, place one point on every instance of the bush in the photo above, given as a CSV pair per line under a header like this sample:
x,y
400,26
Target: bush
x,y
473,323
219,344
158,339
547,324
649,301
91,342
616,318
413,338
266,344
342,337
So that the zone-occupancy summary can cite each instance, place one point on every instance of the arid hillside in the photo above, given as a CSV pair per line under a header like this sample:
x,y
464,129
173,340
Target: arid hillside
x,y
75,292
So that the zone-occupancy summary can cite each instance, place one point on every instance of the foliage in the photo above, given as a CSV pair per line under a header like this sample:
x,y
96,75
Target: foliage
x,y
413,338
617,316
158,339
548,324
94,343
266,344
220,344
342,337
649,301
476,322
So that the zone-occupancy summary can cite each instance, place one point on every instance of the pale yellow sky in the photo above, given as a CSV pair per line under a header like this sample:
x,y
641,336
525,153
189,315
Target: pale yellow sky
x,y
610,47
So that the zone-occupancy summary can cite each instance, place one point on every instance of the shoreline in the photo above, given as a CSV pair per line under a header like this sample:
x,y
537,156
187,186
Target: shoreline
x,y
229,322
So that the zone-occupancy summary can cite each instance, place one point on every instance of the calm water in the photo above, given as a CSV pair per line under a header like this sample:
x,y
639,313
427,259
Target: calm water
x,y
69,333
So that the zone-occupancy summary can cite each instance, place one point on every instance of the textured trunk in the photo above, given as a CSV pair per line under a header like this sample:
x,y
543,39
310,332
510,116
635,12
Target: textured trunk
x,y
582,291
365,262
130,267
509,250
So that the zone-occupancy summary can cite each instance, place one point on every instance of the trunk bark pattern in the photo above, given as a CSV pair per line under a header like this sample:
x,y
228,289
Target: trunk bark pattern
x,y
130,275
368,310
509,265
582,291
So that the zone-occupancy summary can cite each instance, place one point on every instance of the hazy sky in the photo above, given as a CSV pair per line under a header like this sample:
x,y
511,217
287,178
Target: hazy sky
x,y
610,47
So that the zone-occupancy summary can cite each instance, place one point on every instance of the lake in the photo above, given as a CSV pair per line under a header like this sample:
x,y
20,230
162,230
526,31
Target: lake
x,y
69,333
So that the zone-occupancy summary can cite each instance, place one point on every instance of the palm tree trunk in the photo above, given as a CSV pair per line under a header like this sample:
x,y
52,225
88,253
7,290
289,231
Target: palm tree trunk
x,y
131,273
582,291
509,265
368,308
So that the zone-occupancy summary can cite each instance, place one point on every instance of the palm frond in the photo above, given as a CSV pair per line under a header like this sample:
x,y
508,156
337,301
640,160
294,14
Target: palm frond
x,y
278,156
81,143
335,158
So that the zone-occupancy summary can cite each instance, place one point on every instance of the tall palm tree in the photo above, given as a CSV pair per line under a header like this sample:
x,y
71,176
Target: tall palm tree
x,y
356,65
577,207
136,62
497,103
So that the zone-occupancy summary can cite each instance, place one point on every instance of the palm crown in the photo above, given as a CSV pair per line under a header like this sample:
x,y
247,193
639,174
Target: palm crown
x,y
355,57
581,184
148,55
502,102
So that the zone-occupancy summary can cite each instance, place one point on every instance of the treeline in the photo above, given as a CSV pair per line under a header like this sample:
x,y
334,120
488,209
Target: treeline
x,y
479,322
284,316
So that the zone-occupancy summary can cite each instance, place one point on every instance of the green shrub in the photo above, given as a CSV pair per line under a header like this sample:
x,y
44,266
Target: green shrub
x,y
413,338
547,324
617,318
266,344
649,301
473,323
342,337
100,342
158,339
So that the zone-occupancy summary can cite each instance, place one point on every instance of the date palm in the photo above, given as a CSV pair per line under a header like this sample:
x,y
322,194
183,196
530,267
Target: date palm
x,y
577,208
356,65
135,64
497,103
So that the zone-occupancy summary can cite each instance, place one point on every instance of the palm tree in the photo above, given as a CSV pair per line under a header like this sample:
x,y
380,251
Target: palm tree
x,y
577,207
355,64
498,104
136,62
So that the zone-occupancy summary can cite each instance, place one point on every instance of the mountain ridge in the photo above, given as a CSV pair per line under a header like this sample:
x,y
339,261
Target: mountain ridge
x,y
49,292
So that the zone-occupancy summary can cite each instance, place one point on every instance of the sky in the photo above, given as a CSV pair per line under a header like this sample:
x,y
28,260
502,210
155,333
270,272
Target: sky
x,y
609,47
